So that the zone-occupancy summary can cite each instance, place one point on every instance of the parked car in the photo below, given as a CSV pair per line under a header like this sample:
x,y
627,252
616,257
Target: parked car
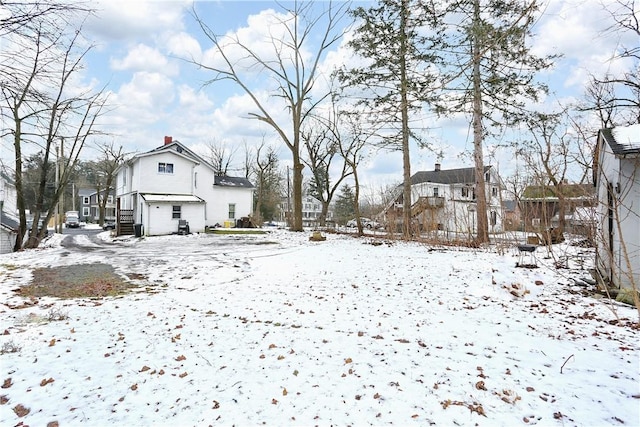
x,y
40,226
109,225
72,220
366,223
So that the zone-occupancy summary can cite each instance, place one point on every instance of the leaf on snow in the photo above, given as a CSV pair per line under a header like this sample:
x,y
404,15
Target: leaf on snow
x,y
21,410
45,381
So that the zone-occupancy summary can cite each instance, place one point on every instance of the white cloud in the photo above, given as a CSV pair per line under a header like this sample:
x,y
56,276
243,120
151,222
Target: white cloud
x,y
183,45
136,19
144,58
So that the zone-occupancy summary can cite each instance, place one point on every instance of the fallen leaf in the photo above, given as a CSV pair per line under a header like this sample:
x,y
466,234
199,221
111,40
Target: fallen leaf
x,y
52,342
145,368
284,392
480,385
134,387
21,410
45,381
180,358
216,404
7,383
274,402
182,375
348,360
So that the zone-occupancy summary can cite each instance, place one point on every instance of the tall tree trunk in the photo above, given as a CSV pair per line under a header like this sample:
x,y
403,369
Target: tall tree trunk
x,y
482,233
18,181
404,107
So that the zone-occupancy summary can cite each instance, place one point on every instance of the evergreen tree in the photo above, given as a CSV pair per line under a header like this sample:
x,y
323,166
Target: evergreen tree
x,y
397,77
344,208
491,72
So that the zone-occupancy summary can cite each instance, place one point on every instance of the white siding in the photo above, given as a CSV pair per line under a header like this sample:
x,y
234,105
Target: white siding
x,y
619,262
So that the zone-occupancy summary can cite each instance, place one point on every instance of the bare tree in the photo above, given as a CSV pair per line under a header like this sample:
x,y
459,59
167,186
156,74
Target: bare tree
x,y
221,157
268,182
291,62
623,89
353,138
322,141
111,157
42,110
549,155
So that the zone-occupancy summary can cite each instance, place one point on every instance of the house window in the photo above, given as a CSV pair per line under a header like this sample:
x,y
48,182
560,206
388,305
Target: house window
x,y
487,177
110,199
85,200
535,222
176,212
165,167
232,210
494,217
494,191
465,192
85,211
435,191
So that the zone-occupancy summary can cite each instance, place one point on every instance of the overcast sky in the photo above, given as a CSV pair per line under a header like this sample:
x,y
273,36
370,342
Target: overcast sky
x,y
139,43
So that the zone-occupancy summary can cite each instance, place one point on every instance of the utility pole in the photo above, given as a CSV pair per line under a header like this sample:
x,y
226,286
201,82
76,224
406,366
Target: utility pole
x,y
61,159
57,209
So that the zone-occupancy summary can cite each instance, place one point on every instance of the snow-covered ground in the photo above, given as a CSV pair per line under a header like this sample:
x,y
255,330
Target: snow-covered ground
x,y
277,330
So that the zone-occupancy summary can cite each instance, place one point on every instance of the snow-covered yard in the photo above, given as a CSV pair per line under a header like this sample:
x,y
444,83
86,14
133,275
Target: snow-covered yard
x,y
274,329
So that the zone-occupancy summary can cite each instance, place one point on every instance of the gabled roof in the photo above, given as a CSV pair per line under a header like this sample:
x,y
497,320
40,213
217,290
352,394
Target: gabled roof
x,y
623,140
176,148
232,181
447,176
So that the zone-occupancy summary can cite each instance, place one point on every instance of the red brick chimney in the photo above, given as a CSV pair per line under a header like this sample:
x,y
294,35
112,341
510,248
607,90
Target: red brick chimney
x,y
168,140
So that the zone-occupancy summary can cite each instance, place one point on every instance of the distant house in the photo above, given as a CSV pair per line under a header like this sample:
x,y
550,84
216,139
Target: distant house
x,y
311,211
84,203
89,205
160,188
8,214
617,179
540,204
445,199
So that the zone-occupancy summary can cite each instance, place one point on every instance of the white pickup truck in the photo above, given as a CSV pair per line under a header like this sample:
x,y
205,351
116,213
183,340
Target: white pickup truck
x,y
72,219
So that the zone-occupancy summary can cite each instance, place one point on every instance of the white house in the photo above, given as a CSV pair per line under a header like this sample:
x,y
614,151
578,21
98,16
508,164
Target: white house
x,y
617,179
159,188
8,214
445,200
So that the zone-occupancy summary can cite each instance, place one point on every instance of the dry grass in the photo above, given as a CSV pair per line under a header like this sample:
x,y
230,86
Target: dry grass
x,y
76,281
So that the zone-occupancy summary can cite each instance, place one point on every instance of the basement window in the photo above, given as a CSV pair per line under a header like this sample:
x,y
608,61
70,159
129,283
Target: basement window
x,y
176,212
